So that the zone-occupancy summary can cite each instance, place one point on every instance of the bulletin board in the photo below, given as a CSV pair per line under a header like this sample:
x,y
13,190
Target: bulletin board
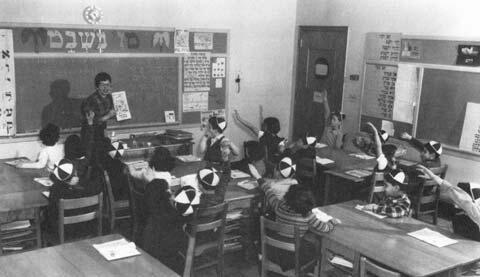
x,y
55,69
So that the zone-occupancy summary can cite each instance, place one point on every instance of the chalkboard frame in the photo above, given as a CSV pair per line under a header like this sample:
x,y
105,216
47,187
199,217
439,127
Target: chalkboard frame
x,y
217,51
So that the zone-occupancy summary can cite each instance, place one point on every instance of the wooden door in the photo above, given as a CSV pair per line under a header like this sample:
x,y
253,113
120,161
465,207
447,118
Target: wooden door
x,y
320,65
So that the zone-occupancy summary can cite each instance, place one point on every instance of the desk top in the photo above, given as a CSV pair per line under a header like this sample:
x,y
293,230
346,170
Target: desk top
x,y
386,241
80,259
344,162
18,190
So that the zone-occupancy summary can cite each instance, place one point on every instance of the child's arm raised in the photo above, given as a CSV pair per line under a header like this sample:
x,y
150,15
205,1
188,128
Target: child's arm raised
x,y
326,106
245,123
378,143
413,141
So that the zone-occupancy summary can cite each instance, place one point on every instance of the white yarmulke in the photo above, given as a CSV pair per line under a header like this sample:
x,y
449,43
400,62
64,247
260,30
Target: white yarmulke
x,y
396,177
435,147
186,199
207,178
222,124
117,149
383,136
286,167
63,170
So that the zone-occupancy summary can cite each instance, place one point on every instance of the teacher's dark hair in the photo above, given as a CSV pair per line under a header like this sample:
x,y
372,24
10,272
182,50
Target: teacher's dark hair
x,y
101,77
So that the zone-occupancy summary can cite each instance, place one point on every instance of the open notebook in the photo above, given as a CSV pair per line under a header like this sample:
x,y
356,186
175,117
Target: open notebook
x,y
117,249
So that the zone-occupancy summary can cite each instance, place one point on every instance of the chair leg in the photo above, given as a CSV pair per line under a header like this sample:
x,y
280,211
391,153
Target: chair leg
x,y
38,228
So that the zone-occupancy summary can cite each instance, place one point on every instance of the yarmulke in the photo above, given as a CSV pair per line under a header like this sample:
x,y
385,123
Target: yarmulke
x,y
207,178
116,150
186,199
395,177
63,170
220,123
339,115
434,147
286,167
383,136
310,141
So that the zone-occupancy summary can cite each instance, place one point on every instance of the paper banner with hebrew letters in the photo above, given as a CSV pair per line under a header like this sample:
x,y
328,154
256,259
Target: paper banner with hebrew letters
x,y
196,72
7,84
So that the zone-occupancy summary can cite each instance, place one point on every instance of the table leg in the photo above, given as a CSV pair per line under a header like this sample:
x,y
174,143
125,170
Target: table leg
x,y
327,189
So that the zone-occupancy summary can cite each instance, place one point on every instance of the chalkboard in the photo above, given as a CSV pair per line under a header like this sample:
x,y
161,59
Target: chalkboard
x,y
443,103
52,89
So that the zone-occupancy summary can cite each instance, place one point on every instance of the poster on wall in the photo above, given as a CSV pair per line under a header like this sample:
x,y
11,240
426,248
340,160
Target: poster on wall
x,y
470,139
379,90
383,46
7,84
195,101
218,68
406,90
182,42
196,72
203,41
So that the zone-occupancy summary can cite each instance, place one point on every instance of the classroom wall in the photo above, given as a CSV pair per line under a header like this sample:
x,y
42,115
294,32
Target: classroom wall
x,y
422,17
261,46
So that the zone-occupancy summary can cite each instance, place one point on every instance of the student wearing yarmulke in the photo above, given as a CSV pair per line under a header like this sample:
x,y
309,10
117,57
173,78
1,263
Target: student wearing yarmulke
x,y
396,202
429,152
212,186
215,147
163,223
387,154
67,185
332,132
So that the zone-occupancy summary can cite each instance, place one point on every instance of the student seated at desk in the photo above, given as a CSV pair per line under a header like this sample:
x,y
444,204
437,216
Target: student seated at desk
x,y
429,152
465,201
68,185
51,153
387,154
396,202
332,133
213,144
255,154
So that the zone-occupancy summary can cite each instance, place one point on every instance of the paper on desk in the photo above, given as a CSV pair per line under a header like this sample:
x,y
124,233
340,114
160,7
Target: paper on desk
x,y
44,181
46,193
341,261
15,225
360,207
359,173
189,158
323,161
117,249
248,184
323,217
236,174
17,161
320,145
434,238
362,156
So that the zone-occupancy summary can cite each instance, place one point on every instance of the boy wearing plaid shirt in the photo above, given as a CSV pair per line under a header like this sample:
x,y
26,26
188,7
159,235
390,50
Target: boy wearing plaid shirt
x,y
396,202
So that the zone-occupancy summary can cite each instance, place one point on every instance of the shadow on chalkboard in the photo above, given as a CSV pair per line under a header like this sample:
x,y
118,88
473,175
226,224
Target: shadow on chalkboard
x,y
62,110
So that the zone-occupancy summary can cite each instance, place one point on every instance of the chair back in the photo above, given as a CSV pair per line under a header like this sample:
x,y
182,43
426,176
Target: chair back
x,y
426,198
210,220
307,169
376,186
276,235
78,203
137,209
115,206
368,268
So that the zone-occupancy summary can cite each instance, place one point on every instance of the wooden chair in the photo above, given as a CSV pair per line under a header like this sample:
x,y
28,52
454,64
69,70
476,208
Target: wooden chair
x,y
377,186
289,240
368,268
117,209
78,203
307,170
425,200
14,237
331,249
207,221
136,209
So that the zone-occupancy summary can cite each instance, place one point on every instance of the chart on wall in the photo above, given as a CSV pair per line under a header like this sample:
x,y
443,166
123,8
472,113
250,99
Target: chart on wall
x,y
379,90
383,46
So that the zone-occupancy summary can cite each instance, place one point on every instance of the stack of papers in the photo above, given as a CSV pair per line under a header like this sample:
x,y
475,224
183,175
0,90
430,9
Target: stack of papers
x,y
320,145
432,237
17,161
362,156
359,173
117,249
44,181
336,260
323,161
248,184
189,158
236,174
360,207
20,224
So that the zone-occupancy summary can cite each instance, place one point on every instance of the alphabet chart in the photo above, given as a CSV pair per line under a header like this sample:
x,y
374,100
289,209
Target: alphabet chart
x,y
7,84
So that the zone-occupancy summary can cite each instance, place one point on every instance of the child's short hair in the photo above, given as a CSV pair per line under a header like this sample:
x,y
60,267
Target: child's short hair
x,y
300,199
162,160
101,77
272,125
254,151
218,123
49,134
339,115
74,148
389,150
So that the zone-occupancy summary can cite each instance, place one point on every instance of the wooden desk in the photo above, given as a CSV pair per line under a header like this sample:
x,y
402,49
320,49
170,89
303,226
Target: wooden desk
x,y
343,162
19,194
80,259
386,241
